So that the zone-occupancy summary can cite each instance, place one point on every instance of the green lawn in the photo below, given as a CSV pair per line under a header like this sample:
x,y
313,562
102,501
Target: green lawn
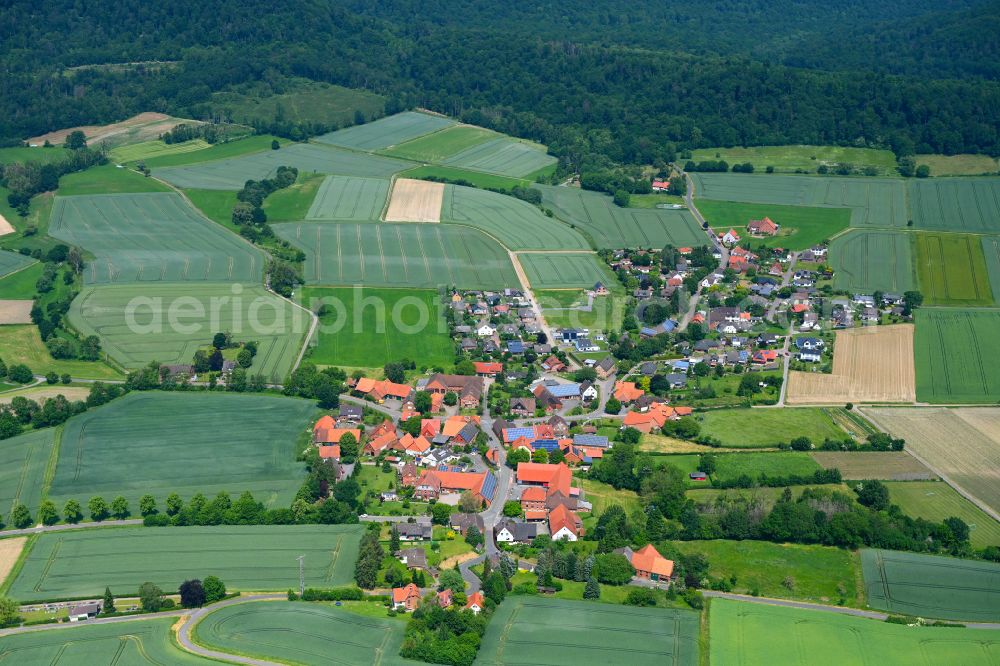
x,y
412,323
780,463
605,315
23,344
475,178
602,495
108,179
752,428
700,390
936,500
243,146
439,145
819,574
292,203
807,158
655,199
800,226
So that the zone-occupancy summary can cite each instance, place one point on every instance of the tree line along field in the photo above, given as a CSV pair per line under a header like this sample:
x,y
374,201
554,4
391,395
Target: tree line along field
x,y
769,427
386,132
23,462
369,327
515,223
258,557
400,255
136,642
750,634
133,322
303,634
151,238
952,269
442,144
160,443
931,586
801,226
349,198
540,630
808,158
936,500
558,270
957,355
613,227
867,260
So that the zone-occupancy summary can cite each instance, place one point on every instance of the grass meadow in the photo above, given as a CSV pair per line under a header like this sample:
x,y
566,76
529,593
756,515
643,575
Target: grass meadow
x,y
293,202
957,355
952,269
959,165
806,158
870,260
607,312
20,285
440,145
300,101
936,500
23,344
386,132
220,151
108,179
138,152
801,226
731,466
40,155
752,428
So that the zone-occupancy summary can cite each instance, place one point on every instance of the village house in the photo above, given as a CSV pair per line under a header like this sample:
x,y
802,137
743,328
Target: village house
x,y
413,558
764,227
553,364
414,531
432,484
729,238
626,392
469,389
564,525
523,407
476,603
406,598
461,522
655,417
379,391
509,530
488,369
648,563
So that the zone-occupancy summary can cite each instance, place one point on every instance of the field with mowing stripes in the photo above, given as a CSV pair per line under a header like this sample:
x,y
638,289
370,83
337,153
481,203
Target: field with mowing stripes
x,y
158,443
749,634
958,355
930,586
515,223
564,271
613,227
23,460
150,149
440,145
869,260
504,156
801,226
991,253
952,270
11,262
138,642
151,238
231,174
936,501
260,557
555,632
386,132
400,255
349,198
955,204
135,325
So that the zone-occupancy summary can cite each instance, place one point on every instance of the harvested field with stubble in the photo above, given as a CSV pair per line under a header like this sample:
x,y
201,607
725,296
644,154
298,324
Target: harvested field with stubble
x,y
872,364
415,201
885,465
15,312
10,550
962,444
5,226
138,128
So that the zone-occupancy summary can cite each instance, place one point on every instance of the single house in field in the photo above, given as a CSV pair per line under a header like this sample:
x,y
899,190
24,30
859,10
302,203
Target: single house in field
x,y
648,563
763,227
406,599
600,289
84,612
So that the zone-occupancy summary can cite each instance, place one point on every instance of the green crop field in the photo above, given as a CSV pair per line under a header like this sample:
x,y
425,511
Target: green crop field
x,y
613,227
991,253
952,269
138,642
959,165
23,460
150,149
476,178
955,204
108,179
750,634
606,312
160,443
398,255
442,144
150,238
936,500
818,572
23,344
538,630
11,262
348,198
801,226
303,633
259,557
220,151
769,427
551,270
515,223
807,158
168,322
301,101
232,173
385,132
868,260
369,327
931,586
504,156
733,465
957,355
36,154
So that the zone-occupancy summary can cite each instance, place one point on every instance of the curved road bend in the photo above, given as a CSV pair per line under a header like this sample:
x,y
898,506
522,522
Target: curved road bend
x,y
184,631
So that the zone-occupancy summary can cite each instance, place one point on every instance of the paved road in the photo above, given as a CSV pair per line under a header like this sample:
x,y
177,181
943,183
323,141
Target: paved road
x,y
722,249
788,363
184,632
78,526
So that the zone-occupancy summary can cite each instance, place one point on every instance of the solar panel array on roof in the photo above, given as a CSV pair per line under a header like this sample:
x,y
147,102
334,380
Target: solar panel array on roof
x,y
591,440
516,433
489,486
565,390
547,444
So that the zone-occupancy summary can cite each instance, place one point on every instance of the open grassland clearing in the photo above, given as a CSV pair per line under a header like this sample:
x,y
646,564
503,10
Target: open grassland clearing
x,y
551,270
537,630
23,461
137,642
961,444
933,587
936,500
138,128
415,201
108,179
386,132
959,165
867,260
606,312
23,344
806,158
505,156
870,364
515,223
731,466
216,205
150,149
955,204
33,154
801,227
472,178
958,355
602,495
752,428
440,145
245,557
763,495
300,101
152,238
369,327
400,255
820,574
885,465
247,145
653,443
349,198
952,270
751,634
301,633
160,443
292,203
612,227
232,173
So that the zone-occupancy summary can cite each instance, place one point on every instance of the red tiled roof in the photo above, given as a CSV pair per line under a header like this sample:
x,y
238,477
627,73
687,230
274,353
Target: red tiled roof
x,y
649,559
488,368
326,452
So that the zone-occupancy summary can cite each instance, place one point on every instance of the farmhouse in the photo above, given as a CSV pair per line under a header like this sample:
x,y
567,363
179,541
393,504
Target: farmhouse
x,y
406,599
434,483
656,416
522,406
380,390
763,227
564,525
648,563
326,432
469,389
556,477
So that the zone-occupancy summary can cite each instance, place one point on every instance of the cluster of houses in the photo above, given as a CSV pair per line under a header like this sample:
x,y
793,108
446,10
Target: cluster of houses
x,y
580,449
406,599
549,504
467,388
494,321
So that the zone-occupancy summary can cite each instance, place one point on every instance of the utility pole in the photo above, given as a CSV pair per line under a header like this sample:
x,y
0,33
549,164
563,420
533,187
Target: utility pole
x,y
302,579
